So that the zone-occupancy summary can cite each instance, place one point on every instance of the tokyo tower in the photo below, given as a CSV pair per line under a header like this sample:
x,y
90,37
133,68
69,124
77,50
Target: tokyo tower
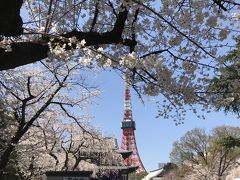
x,y
128,136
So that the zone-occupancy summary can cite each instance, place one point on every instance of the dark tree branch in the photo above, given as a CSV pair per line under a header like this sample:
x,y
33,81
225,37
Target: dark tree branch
x,y
230,2
48,16
8,89
219,3
95,16
23,53
111,5
28,52
65,167
133,41
154,52
10,19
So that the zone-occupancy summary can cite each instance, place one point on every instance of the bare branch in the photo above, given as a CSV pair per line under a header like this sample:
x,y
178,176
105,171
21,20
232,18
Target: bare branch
x,y
95,16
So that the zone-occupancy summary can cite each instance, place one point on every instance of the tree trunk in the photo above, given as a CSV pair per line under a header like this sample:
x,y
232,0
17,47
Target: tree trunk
x,y
5,157
6,154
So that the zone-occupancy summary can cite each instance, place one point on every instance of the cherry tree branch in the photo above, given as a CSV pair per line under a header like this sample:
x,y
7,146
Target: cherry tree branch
x,y
28,52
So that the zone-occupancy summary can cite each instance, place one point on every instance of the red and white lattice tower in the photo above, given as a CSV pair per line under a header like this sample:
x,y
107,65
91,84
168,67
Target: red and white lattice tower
x,y
128,136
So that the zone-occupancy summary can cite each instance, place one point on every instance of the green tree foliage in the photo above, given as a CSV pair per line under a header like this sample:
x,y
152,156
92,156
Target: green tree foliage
x,y
207,155
230,142
224,88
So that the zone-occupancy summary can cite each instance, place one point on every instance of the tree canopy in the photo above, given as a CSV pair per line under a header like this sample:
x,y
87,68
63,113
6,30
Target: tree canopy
x,y
171,48
207,156
40,96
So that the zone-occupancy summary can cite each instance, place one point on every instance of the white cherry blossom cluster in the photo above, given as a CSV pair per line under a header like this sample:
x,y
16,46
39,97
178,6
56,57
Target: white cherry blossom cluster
x,y
6,45
234,173
236,16
129,61
200,172
58,50
87,56
96,58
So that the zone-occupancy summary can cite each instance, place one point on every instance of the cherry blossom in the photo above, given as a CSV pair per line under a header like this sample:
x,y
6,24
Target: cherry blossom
x,y
170,48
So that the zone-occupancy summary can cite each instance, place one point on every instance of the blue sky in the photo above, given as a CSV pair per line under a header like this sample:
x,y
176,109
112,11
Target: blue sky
x,y
154,136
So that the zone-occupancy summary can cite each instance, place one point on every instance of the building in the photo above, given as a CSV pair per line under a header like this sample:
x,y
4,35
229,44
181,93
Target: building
x,y
68,175
165,169
91,171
